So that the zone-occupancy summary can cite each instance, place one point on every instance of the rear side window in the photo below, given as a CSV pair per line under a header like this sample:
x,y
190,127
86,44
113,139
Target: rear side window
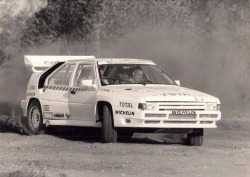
x,y
62,76
47,73
83,73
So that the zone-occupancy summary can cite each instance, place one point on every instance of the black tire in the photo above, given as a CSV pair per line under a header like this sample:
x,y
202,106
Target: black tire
x,y
124,135
34,121
196,137
109,134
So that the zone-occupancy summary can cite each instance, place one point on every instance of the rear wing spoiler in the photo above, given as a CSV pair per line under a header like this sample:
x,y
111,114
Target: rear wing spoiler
x,y
39,63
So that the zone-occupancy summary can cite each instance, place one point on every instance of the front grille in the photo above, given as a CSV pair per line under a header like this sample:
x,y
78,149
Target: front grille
x,y
208,115
182,116
180,122
206,122
155,115
152,122
169,106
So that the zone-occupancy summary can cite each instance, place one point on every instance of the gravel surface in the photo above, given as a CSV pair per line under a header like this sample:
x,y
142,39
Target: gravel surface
x,y
225,152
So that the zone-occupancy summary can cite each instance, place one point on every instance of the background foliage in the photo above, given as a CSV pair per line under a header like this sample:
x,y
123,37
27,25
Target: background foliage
x,y
97,23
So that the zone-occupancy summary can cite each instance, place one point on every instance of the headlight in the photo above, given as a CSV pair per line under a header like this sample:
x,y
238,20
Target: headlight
x,y
147,106
150,106
212,107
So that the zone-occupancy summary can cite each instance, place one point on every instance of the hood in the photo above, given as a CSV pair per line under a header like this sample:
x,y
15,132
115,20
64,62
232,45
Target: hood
x,y
162,93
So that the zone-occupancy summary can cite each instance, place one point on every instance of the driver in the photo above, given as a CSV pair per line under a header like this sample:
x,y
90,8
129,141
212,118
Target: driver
x,y
138,76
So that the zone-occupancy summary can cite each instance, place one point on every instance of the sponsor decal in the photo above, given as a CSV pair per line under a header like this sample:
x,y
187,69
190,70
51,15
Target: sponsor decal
x,y
58,115
67,115
119,62
126,105
48,115
199,99
50,62
45,107
183,112
176,94
70,89
125,112
30,94
105,90
32,87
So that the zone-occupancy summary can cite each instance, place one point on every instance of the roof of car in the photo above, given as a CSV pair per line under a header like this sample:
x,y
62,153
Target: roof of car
x,y
114,60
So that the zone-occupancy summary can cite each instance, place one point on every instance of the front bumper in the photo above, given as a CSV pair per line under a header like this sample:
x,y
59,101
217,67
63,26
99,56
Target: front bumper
x,y
165,119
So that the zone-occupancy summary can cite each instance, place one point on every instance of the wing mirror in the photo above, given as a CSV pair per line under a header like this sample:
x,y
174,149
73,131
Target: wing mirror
x,y
178,82
87,83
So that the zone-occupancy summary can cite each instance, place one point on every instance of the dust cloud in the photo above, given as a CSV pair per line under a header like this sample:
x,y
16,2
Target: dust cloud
x,y
14,78
13,81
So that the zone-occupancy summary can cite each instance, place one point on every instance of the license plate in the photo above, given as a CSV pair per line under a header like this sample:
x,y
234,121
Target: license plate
x,y
178,112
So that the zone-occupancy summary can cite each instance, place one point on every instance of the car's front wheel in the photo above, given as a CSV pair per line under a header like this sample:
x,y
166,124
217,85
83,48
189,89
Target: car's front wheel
x,y
34,118
196,137
109,133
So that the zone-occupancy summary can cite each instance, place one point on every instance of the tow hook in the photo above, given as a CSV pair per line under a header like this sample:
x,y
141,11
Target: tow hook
x,y
47,124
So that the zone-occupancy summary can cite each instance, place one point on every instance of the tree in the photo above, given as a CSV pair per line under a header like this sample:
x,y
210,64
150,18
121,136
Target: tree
x,y
3,56
68,20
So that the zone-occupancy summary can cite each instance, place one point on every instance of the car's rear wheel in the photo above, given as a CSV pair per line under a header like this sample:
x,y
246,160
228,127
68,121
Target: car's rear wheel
x,y
34,118
109,133
196,137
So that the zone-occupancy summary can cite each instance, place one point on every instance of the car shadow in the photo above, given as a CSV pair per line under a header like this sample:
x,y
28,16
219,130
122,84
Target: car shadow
x,y
90,135
156,138
93,135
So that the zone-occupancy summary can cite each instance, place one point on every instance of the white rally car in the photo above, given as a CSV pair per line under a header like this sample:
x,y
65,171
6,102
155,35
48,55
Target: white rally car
x,y
120,96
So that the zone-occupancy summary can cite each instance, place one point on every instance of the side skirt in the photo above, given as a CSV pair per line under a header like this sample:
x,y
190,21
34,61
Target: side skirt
x,y
78,123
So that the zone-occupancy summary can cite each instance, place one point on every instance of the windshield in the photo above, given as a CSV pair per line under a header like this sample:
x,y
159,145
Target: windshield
x,y
116,74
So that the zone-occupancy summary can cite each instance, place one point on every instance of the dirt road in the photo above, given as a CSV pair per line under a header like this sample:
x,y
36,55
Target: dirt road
x,y
225,152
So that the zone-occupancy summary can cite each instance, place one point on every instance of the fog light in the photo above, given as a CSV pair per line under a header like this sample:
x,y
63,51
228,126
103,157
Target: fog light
x,y
128,121
150,106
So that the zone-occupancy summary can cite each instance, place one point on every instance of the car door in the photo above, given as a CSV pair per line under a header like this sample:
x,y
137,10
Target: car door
x,y
82,96
56,93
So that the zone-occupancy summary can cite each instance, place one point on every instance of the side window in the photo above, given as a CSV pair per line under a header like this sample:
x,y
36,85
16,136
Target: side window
x,y
62,76
84,75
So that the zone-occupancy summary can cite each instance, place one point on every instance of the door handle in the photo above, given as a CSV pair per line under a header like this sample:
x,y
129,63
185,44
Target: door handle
x,y
73,92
